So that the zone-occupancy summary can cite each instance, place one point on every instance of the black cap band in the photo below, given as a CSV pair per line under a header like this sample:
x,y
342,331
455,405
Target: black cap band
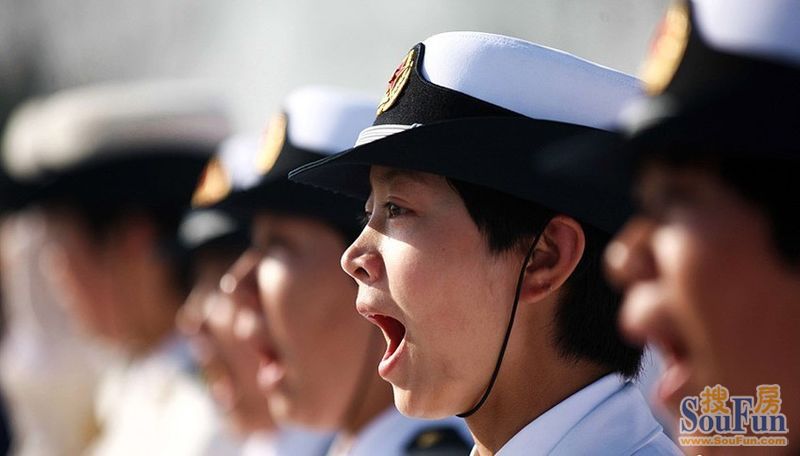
x,y
423,102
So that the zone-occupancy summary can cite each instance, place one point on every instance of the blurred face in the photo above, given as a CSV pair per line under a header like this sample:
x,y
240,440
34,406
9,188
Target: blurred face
x,y
101,281
312,344
426,277
76,265
218,331
704,283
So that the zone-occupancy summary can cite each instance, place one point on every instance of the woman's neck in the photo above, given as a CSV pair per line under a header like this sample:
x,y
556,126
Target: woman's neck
x,y
530,382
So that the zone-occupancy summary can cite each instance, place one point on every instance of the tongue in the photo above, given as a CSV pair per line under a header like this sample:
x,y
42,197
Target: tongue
x,y
394,330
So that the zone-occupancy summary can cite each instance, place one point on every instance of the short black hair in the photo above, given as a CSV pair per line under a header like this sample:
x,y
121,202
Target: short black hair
x,y
764,181
585,326
153,182
102,219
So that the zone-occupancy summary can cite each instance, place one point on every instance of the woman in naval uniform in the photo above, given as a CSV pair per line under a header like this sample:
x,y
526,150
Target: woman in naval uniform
x,y
317,354
479,221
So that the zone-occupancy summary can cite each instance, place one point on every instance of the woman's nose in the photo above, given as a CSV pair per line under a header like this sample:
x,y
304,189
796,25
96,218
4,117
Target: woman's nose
x,y
362,260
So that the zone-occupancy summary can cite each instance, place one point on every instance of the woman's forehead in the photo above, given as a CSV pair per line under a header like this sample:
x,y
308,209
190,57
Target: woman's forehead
x,y
385,176
269,223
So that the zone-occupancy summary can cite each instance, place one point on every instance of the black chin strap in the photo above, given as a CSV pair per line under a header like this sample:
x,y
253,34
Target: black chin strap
x,y
502,353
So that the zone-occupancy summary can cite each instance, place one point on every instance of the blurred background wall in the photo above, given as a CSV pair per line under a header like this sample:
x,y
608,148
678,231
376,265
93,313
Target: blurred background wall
x,y
257,50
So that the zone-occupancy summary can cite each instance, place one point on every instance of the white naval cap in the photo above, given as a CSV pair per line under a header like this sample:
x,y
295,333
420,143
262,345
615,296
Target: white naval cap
x,y
759,28
326,119
488,110
76,126
238,155
724,76
315,122
528,78
202,227
509,73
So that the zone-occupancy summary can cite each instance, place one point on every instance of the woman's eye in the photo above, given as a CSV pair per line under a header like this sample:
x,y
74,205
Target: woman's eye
x,y
393,210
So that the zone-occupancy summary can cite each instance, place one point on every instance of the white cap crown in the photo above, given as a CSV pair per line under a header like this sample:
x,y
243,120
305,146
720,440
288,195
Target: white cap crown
x,y
533,80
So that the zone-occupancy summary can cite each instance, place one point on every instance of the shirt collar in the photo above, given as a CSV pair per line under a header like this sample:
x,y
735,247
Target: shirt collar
x,y
377,431
549,428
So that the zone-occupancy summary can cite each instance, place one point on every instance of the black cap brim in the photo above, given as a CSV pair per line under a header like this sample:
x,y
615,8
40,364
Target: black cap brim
x,y
278,195
526,158
148,180
718,102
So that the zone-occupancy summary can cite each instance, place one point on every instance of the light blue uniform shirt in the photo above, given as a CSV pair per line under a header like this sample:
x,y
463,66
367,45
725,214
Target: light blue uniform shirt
x,y
390,433
607,417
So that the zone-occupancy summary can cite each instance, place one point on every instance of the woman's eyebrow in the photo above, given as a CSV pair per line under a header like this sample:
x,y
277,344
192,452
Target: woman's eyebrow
x,y
393,175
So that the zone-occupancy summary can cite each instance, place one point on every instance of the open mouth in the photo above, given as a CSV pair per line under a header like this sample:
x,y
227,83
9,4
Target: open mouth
x,y
395,333
270,370
644,319
677,370
266,354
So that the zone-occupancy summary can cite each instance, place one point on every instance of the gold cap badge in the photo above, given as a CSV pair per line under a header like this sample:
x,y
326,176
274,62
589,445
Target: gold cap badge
x,y
271,143
667,49
397,82
214,185
429,439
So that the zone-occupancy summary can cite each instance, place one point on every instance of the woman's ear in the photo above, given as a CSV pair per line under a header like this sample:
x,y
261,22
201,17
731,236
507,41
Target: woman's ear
x,y
555,257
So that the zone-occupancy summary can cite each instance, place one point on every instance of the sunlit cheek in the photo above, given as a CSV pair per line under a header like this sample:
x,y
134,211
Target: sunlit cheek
x,y
408,279
443,363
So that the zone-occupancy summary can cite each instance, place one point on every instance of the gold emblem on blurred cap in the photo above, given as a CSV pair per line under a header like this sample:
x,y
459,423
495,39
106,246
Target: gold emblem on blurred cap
x,y
667,49
271,143
428,439
214,185
397,82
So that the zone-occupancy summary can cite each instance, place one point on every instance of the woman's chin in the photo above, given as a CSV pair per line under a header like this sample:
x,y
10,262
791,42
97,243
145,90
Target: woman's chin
x,y
424,406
